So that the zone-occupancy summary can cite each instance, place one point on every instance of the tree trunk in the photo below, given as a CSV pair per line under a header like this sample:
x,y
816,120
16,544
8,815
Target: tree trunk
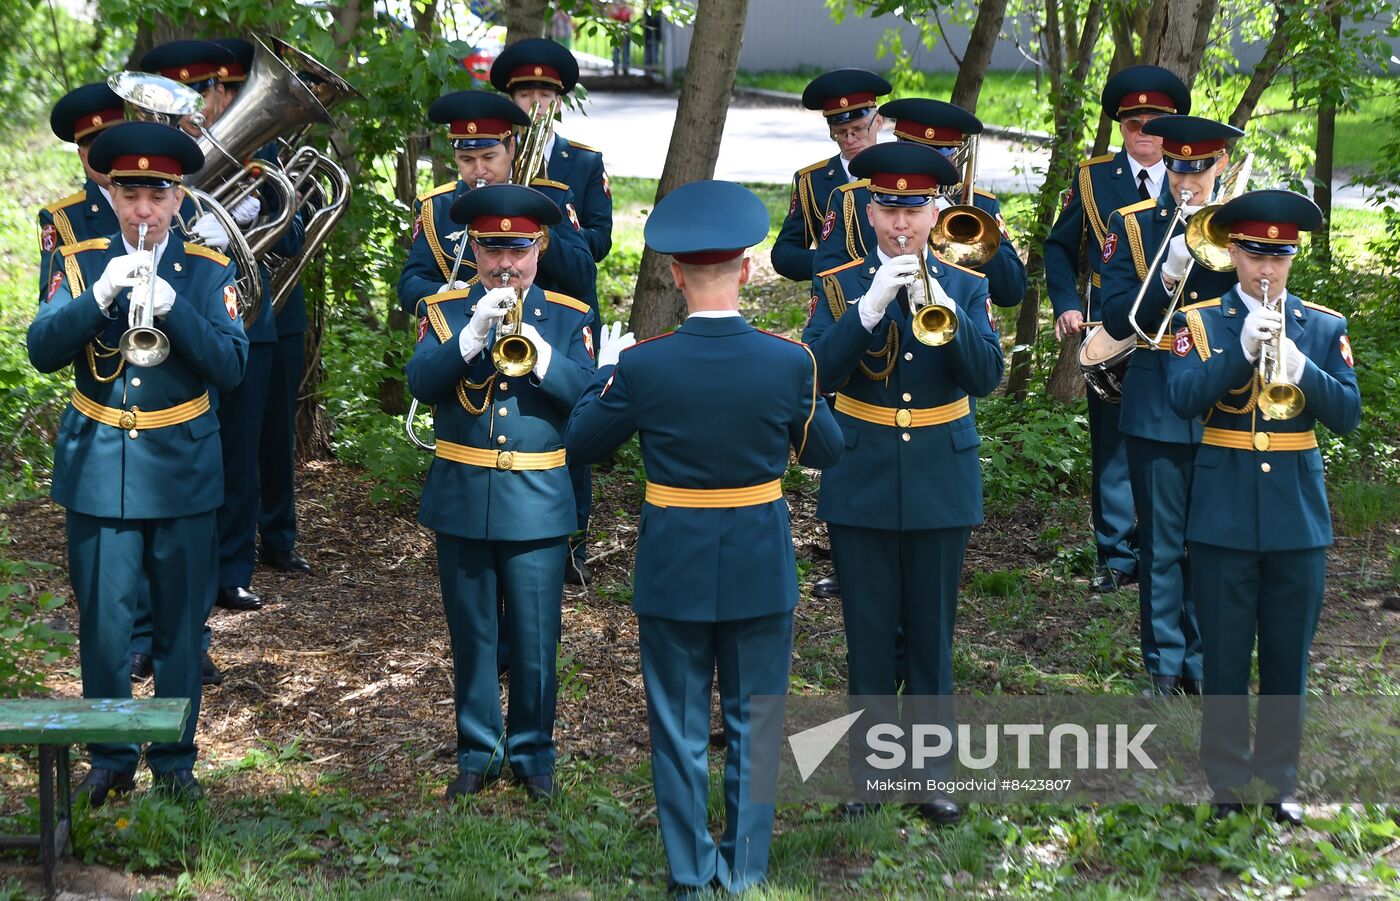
x,y
160,30
1177,31
525,19
1322,174
704,104
1265,71
978,54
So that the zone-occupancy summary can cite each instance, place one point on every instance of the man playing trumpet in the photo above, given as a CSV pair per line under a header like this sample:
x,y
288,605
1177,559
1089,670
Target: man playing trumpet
x,y
498,493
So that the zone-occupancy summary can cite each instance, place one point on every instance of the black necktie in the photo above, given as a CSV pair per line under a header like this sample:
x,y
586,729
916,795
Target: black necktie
x,y
1142,185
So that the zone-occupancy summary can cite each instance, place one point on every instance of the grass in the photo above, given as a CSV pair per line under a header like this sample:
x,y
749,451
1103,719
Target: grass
x,y
1011,99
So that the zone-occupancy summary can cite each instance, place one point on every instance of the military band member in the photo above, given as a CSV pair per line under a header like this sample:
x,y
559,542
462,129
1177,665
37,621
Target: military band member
x,y
715,585
1160,444
538,70
847,98
137,462
78,118
480,128
1133,97
946,128
1259,524
901,502
498,493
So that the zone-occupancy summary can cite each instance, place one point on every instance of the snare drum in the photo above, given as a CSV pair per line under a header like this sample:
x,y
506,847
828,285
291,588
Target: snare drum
x,y
1103,360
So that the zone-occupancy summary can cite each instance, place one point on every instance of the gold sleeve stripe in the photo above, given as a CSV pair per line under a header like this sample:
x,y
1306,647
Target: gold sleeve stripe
x,y
1198,332
1135,245
430,231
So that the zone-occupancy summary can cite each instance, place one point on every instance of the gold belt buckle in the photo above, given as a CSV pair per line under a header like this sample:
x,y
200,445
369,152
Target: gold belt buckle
x,y
1261,441
128,420
505,461
903,418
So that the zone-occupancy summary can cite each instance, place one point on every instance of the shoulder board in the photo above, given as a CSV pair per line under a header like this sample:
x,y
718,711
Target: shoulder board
x,y
813,168
577,146
90,244
548,183
1321,309
1096,160
835,269
441,296
765,331
1137,207
960,268
852,185
565,300
440,189
199,250
984,193
1203,305
649,340
66,202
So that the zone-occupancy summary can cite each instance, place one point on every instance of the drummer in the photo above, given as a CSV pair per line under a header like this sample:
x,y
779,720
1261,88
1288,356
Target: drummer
x,y
1134,97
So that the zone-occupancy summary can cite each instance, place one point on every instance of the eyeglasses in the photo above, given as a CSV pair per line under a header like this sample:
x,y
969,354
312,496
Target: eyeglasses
x,y
1136,123
852,133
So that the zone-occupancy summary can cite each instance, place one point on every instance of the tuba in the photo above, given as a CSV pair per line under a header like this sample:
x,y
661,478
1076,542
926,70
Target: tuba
x,y
965,234
155,98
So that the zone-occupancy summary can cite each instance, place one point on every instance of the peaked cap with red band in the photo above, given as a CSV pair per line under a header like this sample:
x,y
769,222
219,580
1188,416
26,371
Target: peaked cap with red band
x,y
85,111
535,61
931,122
1145,89
505,215
243,59
903,174
1191,143
1268,222
845,94
476,119
145,153
194,63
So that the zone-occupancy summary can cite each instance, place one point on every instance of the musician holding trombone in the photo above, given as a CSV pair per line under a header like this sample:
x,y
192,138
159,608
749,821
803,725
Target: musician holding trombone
x,y
503,363
1261,367
1140,293
137,460
905,340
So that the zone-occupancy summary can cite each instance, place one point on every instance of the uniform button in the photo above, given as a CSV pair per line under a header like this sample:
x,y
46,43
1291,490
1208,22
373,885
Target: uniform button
x,y
905,436
503,411
1264,467
908,355
135,382
132,434
500,439
504,386
1194,295
908,397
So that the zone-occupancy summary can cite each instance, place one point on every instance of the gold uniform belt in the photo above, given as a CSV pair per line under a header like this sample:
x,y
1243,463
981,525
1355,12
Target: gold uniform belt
x,y
903,417
505,461
1168,342
711,498
137,419
1260,441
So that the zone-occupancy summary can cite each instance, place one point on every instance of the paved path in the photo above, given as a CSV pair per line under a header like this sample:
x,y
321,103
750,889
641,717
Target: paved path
x,y
767,144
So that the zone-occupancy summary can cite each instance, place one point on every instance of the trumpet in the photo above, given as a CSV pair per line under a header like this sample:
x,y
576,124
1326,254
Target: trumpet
x,y
513,354
143,344
1278,398
933,324
965,234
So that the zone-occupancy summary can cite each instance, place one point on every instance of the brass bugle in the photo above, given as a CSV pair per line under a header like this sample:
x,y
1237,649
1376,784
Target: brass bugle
x,y
513,354
1279,398
933,324
143,344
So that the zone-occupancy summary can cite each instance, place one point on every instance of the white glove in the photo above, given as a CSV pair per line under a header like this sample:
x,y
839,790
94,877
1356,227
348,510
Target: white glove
x,y
611,343
451,286
120,273
490,309
165,297
1190,209
1174,266
941,202
208,230
1260,327
899,272
543,352
245,212
1296,360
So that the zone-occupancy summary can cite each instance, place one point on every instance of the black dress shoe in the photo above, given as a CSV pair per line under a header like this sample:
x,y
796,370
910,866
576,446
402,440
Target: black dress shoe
x,y
100,784
576,571
1163,686
1107,579
141,666
827,587
240,599
209,673
287,561
1222,809
941,811
541,787
178,785
465,784
1190,685
1288,812
857,810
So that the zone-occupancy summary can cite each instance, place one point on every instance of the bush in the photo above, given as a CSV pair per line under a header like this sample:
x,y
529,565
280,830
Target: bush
x,y
1036,449
28,643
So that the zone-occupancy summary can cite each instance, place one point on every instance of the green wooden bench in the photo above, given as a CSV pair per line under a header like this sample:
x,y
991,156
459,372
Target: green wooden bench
x,y
55,724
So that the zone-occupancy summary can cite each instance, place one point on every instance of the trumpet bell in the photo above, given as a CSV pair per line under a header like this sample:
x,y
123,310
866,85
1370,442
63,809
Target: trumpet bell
x,y
1207,241
514,355
144,346
934,325
966,236
1281,400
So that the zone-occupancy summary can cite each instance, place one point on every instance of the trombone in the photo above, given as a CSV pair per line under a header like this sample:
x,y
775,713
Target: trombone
x,y
1279,398
965,234
1207,242
143,344
933,324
